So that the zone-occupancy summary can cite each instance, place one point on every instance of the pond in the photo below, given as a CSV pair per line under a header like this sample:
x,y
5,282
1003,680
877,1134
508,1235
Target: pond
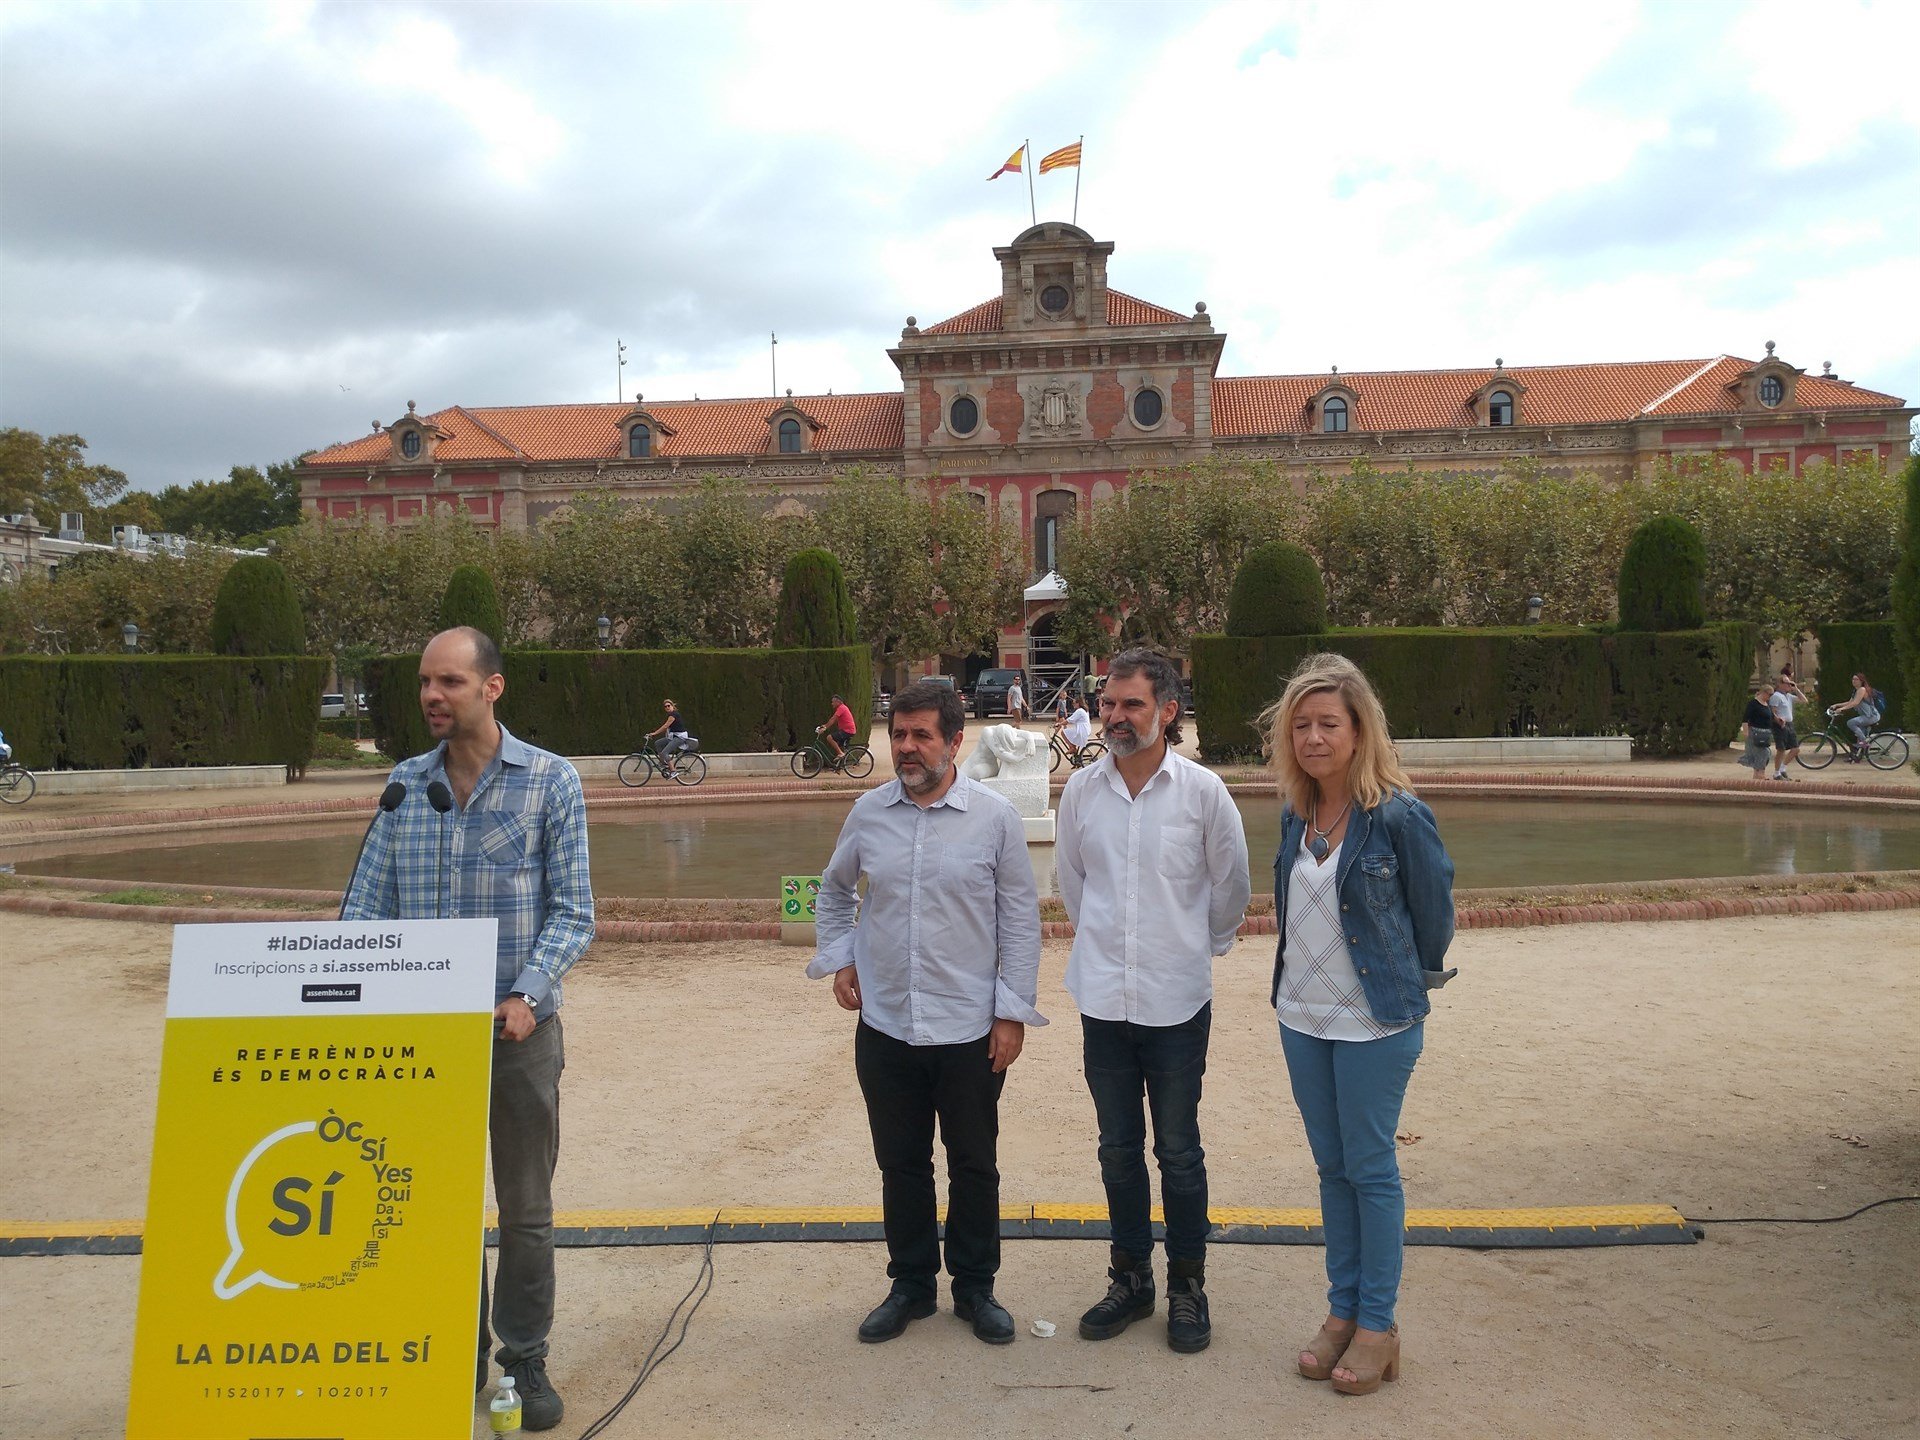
x,y
740,851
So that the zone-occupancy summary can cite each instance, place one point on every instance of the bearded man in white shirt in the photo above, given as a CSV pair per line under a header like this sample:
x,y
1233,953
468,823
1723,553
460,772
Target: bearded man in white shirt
x,y
1152,867
941,960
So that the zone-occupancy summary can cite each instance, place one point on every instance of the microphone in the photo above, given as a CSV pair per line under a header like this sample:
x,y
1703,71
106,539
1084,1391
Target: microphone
x,y
441,799
390,799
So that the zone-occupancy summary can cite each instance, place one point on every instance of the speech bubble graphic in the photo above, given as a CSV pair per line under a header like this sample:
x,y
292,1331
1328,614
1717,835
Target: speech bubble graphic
x,y
312,1205
235,1249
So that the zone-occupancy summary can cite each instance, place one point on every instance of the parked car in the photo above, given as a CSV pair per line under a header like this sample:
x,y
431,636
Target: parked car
x,y
990,691
332,707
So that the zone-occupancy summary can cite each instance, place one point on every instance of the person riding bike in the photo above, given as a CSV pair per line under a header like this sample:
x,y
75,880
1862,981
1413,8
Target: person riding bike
x,y
1866,714
838,731
673,737
1075,726
6,750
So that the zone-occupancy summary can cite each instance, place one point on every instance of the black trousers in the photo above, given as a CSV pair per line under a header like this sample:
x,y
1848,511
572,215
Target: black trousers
x,y
907,1087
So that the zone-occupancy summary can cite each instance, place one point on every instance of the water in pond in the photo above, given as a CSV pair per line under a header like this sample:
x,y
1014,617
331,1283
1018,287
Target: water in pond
x,y
740,851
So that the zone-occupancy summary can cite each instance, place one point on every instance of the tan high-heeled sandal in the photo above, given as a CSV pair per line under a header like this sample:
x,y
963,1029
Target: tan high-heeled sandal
x,y
1326,1348
1371,1361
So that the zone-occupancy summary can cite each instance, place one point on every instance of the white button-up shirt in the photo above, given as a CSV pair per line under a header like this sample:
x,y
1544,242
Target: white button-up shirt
x,y
948,937
1156,885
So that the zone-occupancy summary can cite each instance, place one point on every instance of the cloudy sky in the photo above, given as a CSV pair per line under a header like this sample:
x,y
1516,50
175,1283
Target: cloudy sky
x,y
230,233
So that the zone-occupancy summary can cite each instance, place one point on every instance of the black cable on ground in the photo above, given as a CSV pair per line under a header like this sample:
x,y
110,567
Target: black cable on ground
x,y
1805,1219
702,1282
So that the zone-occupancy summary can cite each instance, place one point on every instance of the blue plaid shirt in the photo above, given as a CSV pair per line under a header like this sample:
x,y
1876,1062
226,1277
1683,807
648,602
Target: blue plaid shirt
x,y
516,853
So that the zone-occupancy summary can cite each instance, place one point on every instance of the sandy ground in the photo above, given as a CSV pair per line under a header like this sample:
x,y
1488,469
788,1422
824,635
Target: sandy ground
x,y
1705,1065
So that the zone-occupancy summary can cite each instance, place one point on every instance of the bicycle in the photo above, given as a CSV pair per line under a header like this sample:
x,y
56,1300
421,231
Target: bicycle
x,y
1884,750
813,757
16,783
689,766
1089,752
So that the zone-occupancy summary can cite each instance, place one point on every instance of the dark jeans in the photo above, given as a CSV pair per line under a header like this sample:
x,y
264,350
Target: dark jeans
x,y
906,1088
1167,1062
524,1120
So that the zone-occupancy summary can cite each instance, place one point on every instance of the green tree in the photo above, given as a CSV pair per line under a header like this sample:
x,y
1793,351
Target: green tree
x,y
470,599
256,611
601,556
816,609
732,559
241,507
1277,592
979,575
1663,577
48,474
881,532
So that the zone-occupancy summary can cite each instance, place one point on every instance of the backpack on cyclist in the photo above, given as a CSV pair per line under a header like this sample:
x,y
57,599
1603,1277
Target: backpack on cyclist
x,y
1878,699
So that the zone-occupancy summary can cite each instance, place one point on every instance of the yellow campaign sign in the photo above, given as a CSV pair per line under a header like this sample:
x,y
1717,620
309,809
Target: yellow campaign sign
x,y
311,1263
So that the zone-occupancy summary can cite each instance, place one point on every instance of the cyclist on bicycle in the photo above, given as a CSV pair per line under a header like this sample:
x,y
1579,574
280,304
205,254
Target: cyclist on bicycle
x,y
672,737
6,750
1075,726
1866,714
838,731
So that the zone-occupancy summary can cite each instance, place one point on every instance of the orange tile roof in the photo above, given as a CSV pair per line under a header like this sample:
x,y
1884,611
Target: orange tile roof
x,y
1252,405
703,429
1122,309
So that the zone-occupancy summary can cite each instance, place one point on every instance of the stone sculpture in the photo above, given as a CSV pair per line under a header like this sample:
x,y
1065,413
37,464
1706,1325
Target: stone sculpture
x,y
1012,762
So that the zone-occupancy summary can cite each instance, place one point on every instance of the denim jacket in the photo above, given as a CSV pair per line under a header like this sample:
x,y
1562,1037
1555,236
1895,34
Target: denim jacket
x,y
1396,900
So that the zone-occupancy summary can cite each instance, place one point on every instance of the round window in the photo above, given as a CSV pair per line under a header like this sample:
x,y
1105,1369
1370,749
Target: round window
x,y
410,444
963,418
1054,299
1772,392
1147,408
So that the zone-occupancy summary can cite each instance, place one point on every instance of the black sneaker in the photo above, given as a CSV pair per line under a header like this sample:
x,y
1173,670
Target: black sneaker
x,y
1189,1325
540,1404
1130,1297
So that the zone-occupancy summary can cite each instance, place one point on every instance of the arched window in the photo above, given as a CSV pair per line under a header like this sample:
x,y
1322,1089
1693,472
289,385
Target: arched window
x,y
1772,392
789,437
639,443
1052,511
1148,407
963,416
1333,416
1500,408
410,444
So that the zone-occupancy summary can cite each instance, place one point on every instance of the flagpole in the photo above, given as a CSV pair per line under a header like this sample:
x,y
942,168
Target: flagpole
x,y
1076,178
1032,211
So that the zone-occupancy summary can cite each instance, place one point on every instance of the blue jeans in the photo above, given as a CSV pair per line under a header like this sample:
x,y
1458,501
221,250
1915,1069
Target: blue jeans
x,y
1349,1094
1167,1062
1861,727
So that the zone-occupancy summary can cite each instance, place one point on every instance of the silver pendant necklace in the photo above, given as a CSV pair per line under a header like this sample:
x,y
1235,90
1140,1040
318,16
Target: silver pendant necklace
x,y
1317,845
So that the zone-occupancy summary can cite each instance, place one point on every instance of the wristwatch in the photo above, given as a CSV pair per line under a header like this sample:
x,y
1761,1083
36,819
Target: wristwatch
x,y
531,1003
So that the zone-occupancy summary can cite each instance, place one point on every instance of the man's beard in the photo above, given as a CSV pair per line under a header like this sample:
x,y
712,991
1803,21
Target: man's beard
x,y
930,776
1124,742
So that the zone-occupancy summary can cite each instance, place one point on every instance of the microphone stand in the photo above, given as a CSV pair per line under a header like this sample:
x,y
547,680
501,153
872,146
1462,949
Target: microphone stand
x,y
390,799
441,799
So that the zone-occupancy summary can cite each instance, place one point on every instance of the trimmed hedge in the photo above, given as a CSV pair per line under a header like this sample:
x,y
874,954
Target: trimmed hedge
x,y
1865,647
1906,595
1679,693
1663,577
1277,592
816,608
470,599
600,702
111,712
256,611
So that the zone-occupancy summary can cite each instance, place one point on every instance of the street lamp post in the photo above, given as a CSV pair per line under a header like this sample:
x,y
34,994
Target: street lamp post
x,y
603,628
1535,604
130,637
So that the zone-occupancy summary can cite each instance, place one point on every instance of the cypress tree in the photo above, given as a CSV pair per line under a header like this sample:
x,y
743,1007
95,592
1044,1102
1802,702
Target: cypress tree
x,y
1663,577
816,608
256,611
1278,591
470,599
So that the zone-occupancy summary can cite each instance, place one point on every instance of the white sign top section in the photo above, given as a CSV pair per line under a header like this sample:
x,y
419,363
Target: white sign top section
x,y
333,968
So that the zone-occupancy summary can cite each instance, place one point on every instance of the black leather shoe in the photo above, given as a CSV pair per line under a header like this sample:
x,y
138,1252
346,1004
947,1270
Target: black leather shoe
x,y
989,1317
480,1374
890,1316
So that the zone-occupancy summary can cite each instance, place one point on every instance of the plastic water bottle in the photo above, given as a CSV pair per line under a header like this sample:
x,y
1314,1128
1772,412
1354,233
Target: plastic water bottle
x,y
504,1418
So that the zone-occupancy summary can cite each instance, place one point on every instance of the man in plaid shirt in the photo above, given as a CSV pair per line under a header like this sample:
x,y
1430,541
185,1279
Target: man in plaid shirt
x,y
512,846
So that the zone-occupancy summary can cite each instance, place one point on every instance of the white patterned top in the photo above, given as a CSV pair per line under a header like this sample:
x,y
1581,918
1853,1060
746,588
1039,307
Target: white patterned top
x,y
1320,992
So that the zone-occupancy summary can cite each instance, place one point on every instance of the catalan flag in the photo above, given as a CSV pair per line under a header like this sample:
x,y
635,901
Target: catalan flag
x,y
1013,163
1066,157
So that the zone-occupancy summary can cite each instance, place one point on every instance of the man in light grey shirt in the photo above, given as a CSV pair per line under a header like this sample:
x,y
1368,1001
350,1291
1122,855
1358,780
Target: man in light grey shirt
x,y
941,961
1152,863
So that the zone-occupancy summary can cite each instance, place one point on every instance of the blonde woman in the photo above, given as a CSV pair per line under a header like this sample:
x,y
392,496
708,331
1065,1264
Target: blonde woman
x,y
1363,893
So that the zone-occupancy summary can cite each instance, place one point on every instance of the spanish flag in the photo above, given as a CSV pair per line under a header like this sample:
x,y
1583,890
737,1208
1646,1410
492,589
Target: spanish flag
x,y
1066,157
1013,163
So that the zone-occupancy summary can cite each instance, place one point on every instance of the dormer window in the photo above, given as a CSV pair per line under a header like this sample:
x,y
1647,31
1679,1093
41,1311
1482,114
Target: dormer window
x,y
639,443
1500,408
789,437
1772,391
410,444
1333,416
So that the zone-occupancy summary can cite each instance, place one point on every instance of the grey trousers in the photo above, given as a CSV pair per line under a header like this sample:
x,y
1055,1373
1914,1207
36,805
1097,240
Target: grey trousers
x,y
525,1125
